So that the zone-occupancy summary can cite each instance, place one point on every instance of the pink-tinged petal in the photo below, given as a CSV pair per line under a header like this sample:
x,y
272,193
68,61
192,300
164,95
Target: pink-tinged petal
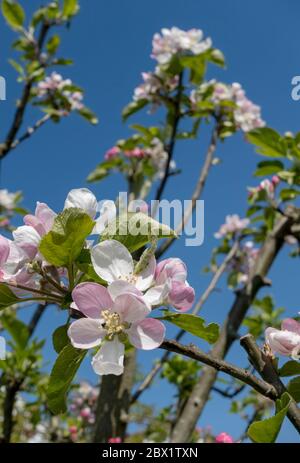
x,y
109,360
84,199
130,308
147,334
181,296
86,333
45,215
112,261
282,342
17,259
116,288
291,325
145,278
224,438
34,222
4,250
28,239
91,299
172,268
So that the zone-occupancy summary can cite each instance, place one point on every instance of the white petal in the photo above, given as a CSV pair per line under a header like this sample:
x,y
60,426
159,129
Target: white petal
x,y
112,261
28,239
108,212
86,333
109,360
82,198
158,294
145,278
116,288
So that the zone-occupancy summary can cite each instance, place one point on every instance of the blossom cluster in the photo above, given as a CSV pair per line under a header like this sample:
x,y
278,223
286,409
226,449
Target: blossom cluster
x,y
232,98
173,41
242,263
155,153
54,85
233,225
8,204
154,85
267,186
113,307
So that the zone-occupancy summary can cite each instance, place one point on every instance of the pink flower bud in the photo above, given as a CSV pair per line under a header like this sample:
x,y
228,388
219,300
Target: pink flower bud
x,y
275,180
224,438
285,341
85,412
115,440
112,153
73,429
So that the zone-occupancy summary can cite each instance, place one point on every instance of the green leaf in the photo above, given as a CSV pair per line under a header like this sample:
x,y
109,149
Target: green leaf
x,y
266,431
62,375
197,66
194,325
13,13
87,114
294,388
267,141
134,230
53,44
17,329
290,368
268,168
133,108
7,297
60,338
288,194
103,169
17,66
62,245
70,8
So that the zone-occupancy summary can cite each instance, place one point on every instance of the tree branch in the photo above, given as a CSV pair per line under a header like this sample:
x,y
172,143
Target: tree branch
x,y
264,366
243,300
196,194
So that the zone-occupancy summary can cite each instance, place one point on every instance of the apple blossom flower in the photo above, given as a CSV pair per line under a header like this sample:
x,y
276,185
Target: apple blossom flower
x,y
285,341
171,286
154,84
137,153
174,40
110,317
266,185
113,263
233,224
224,438
112,153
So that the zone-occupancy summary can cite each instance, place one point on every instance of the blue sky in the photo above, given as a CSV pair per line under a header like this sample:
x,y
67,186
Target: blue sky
x,y
110,43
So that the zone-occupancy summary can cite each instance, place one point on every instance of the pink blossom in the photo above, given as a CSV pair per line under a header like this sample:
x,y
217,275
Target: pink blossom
x,y
233,224
114,440
285,341
111,314
138,153
112,153
171,285
224,438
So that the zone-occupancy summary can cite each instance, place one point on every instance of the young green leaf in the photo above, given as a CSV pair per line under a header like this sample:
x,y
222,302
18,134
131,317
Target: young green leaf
x,y
7,297
135,230
266,431
13,13
62,245
290,368
194,325
17,329
70,8
267,141
62,375
60,338
294,388
132,108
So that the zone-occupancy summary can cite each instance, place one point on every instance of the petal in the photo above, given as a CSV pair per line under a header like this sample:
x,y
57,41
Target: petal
x,y
34,222
145,278
158,294
112,261
181,296
86,333
91,299
290,324
28,239
122,287
147,334
108,212
45,215
4,250
130,308
82,198
109,360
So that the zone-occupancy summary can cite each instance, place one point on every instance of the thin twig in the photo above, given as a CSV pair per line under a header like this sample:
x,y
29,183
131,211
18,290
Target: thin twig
x,y
30,131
